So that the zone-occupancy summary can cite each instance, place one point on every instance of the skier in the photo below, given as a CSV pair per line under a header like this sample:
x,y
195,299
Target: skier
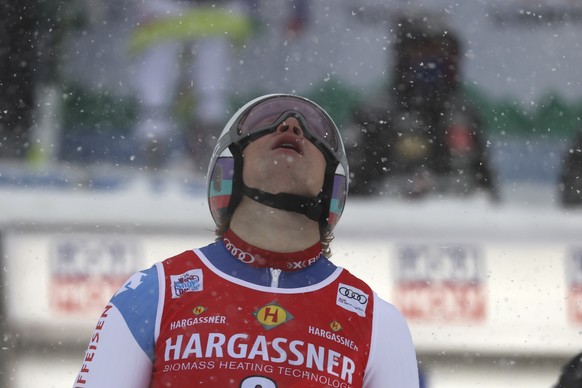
x,y
262,305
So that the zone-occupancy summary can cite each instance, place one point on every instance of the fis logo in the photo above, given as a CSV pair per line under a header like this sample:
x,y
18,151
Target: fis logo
x,y
272,315
190,281
352,299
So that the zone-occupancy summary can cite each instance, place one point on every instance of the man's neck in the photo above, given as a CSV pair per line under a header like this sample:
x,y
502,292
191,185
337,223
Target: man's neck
x,y
273,229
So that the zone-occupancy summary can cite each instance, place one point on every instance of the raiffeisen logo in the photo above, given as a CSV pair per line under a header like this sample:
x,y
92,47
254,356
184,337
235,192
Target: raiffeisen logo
x,y
272,315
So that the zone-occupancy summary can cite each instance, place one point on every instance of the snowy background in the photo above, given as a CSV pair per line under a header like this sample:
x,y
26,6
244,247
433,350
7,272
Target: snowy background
x,y
517,51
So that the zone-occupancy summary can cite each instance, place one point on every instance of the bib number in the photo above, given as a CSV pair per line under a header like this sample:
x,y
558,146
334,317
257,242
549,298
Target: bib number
x,y
257,382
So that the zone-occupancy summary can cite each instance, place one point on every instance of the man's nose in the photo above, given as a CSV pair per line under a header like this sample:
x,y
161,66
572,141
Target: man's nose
x,y
291,124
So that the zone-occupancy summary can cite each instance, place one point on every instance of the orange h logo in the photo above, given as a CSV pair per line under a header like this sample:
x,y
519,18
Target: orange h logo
x,y
272,315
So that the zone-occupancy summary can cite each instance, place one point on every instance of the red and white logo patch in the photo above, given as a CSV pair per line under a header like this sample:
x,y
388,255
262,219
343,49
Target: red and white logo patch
x,y
190,281
352,299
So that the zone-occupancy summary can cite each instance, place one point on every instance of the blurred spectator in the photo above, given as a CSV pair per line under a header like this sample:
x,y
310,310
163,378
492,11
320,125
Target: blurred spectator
x,y
421,134
186,44
571,177
18,62
571,375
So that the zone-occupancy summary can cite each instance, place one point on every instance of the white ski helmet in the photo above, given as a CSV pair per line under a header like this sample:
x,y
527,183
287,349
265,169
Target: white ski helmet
x,y
225,186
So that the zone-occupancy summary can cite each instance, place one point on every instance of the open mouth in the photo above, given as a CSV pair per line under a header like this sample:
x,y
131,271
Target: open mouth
x,y
287,143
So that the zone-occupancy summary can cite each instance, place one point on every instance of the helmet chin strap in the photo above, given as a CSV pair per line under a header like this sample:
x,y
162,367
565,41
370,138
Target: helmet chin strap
x,y
310,207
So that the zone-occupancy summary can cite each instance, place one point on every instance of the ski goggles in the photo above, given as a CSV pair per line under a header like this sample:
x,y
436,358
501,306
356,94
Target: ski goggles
x,y
267,115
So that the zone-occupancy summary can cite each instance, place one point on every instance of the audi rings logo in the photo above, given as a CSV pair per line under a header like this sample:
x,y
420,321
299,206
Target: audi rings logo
x,y
350,293
238,253
352,299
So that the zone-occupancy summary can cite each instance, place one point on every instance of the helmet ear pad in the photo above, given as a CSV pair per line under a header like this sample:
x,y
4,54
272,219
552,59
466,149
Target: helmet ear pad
x,y
220,182
337,199
237,178
327,192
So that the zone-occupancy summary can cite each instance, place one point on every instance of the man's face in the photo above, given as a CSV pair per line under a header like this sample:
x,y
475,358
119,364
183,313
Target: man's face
x,y
284,162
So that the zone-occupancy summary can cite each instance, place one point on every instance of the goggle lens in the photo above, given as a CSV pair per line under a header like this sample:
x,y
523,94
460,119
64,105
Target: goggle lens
x,y
268,112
